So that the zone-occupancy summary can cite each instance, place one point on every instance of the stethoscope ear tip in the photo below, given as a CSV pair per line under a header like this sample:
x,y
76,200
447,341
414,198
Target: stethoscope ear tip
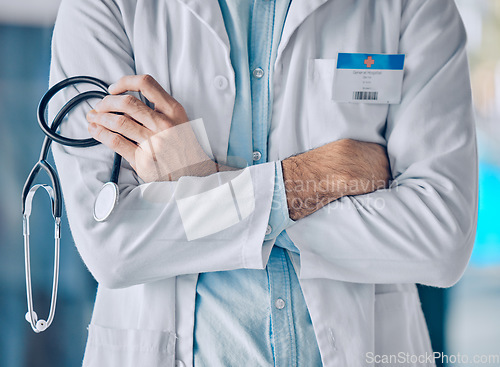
x,y
28,317
39,325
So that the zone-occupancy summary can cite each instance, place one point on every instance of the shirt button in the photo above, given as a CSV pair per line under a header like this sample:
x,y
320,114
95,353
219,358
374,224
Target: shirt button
x,y
256,155
258,73
220,82
179,363
280,304
269,229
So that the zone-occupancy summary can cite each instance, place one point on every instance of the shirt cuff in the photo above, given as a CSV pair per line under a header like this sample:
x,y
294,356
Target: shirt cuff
x,y
279,219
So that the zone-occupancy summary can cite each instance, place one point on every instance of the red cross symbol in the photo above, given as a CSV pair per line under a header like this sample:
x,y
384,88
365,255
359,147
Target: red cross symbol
x,y
369,62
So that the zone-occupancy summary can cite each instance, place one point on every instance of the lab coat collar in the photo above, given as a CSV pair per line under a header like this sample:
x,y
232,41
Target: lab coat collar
x,y
209,13
299,10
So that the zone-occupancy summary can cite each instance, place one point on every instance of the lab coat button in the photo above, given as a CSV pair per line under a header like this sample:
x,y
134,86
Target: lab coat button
x,y
269,229
220,82
256,155
280,304
258,73
179,363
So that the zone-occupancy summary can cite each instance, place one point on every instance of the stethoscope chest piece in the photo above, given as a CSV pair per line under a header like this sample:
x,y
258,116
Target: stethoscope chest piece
x,y
106,201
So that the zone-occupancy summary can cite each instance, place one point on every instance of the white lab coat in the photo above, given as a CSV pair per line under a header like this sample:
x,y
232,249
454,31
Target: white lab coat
x,y
359,256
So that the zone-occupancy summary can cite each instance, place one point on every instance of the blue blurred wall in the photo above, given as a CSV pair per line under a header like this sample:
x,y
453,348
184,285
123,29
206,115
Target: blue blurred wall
x,y
24,68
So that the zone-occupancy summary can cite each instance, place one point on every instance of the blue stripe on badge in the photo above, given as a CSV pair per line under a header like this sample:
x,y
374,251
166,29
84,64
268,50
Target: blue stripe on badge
x,y
371,61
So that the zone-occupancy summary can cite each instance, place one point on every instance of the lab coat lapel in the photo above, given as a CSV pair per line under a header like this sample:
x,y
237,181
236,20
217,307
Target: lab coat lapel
x,y
209,13
299,10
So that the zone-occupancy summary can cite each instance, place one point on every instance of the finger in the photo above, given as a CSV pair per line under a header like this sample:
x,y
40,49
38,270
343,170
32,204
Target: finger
x,y
150,89
121,124
136,109
114,141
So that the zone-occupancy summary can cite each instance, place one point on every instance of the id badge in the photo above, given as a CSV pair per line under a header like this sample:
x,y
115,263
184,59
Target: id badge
x,y
368,78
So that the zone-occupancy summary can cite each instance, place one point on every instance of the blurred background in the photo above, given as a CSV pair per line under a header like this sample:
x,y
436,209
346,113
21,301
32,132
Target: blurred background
x,y
464,319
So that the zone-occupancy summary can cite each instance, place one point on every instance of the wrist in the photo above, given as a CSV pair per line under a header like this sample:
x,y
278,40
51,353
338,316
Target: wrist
x,y
290,168
307,190
322,175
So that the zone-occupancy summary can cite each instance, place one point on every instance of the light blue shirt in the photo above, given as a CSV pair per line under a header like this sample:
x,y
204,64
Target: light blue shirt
x,y
246,316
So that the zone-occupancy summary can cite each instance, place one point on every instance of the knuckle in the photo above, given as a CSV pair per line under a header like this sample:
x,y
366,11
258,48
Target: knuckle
x,y
178,110
98,118
162,122
146,79
120,122
177,107
99,134
115,141
105,101
128,100
98,130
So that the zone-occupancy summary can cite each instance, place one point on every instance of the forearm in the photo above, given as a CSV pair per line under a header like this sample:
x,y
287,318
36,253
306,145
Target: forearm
x,y
346,167
164,229
420,230
161,229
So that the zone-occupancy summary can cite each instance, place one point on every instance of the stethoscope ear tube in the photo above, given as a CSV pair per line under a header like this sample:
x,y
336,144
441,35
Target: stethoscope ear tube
x,y
56,185
31,316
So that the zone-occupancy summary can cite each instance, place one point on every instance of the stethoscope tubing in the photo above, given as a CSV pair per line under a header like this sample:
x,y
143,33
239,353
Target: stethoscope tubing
x,y
50,131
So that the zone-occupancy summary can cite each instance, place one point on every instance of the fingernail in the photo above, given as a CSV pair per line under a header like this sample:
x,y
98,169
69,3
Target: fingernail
x,y
91,113
111,87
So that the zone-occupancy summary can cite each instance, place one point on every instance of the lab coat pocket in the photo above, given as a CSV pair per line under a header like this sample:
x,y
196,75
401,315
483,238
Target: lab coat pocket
x,y
400,328
319,104
108,347
320,74
329,120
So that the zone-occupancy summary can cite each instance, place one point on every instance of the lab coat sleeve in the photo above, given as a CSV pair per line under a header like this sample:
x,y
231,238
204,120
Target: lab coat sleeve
x,y
157,230
279,219
421,229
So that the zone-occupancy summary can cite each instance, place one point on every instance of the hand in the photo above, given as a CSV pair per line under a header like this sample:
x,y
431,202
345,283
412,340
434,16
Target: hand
x,y
322,175
159,144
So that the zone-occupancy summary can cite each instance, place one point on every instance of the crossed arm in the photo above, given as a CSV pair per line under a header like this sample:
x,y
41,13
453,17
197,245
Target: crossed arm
x,y
148,138
423,232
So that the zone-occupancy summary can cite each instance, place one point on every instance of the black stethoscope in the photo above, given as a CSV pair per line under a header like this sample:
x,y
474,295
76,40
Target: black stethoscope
x,y
105,201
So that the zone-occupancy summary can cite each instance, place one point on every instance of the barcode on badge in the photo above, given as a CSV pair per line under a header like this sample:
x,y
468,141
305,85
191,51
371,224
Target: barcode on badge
x,y
365,96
